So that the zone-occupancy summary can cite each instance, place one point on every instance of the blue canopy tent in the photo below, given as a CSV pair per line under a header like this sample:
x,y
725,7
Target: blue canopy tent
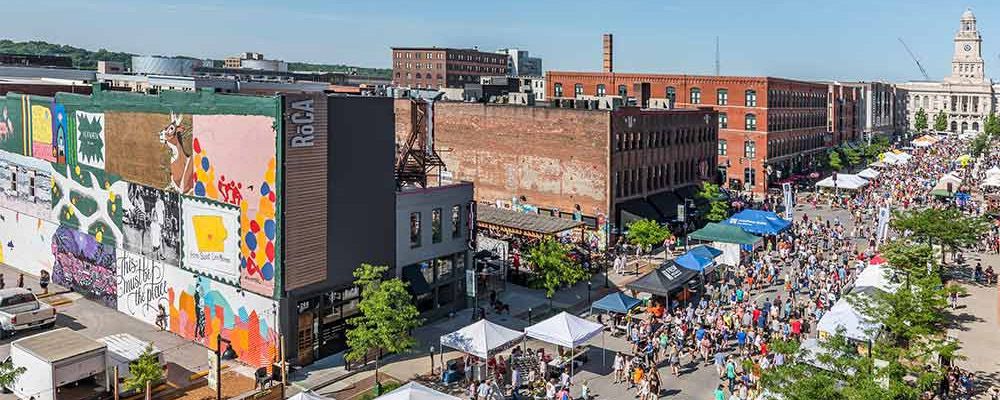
x,y
694,262
705,251
616,302
759,222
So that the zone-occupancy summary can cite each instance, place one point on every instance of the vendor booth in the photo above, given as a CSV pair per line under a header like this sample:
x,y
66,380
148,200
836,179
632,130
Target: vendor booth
x,y
843,181
669,281
844,316
759,222
869,173
728,239
616,302
482,339
569,331
416,391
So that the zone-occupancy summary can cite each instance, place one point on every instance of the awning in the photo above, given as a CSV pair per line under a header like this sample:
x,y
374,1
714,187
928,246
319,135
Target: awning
x,y
705,251
416,391
713,232
758,222
412,275
666,203
639,209
663,280
693,262
520,223
482,339
691,192
617,302
564,329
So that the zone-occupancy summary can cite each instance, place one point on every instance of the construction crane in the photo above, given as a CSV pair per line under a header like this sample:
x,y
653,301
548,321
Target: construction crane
x,y
915,59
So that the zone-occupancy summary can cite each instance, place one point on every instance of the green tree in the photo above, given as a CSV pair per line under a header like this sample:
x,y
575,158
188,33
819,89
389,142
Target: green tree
x,y
948,228
553,266
718,207
852,156
834,161
920,121
387,316
979,144
146,369
941,121
992,126
646,233
9,373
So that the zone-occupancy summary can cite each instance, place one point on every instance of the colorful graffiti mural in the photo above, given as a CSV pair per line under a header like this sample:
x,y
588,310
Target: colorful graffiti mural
x,y
85,265
151,223
141,285
245,177
89,201
24,185
211,239
201,308
90,150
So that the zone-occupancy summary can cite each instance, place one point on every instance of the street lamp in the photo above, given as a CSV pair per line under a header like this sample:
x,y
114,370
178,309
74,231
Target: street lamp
x,y
229,354
588,291
529,315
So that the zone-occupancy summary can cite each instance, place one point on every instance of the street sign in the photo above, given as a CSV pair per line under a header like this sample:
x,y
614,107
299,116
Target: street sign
x,y
786,188
470,282
681,212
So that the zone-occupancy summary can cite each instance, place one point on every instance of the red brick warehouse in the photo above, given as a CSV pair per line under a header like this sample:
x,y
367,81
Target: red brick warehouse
x,y
768,127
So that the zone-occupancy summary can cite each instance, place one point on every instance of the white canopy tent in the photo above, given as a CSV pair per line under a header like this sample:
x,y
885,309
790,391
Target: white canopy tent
x,y
567,330
844,181
874,277
990,181
482,339
994,171
844,315
309,395
869,173
416,391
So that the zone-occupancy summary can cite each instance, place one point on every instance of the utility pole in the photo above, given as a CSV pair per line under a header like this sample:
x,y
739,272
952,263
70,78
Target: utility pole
x,y
717,73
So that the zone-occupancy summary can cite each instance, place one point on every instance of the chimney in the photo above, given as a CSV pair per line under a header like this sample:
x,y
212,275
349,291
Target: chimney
x,y
608,54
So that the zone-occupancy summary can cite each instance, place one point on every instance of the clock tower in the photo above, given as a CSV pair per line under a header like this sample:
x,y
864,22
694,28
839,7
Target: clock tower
x,y
967,63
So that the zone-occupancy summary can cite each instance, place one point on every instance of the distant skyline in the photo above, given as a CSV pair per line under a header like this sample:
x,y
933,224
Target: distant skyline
x,y
800,39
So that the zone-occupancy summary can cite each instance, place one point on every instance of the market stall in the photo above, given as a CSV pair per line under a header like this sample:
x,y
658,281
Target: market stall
x,y
481,339
565,330
727,238
869,173
416,391
759,222
843,181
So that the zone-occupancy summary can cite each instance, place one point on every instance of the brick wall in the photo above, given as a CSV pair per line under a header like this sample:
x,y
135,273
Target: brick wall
x,y
555,158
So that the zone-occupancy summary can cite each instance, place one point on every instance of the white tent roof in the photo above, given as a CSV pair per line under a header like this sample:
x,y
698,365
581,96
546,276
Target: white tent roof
x,y
843,315
874,277
481,338
868,173
995,171
416,391
308,395
564,329
990,181
903,156
844,181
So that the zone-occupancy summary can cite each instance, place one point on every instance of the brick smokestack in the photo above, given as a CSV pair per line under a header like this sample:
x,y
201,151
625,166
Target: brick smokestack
x,y
608,53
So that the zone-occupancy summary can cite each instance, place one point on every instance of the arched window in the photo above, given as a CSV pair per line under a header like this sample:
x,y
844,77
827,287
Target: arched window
x,y
954,126
671,94
578,89
750,121
965,127
723,121
723,147
601,90
721,97
695,96
975,126
750,178
623,91
750,149
557,90
751,98
418,75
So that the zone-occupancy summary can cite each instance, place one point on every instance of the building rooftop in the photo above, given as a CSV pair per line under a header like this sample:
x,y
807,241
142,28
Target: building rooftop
x,y
676,75
445,49
523,223
59,344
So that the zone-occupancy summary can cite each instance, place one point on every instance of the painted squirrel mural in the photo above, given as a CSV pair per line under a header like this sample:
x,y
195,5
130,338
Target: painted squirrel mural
x,y
177,137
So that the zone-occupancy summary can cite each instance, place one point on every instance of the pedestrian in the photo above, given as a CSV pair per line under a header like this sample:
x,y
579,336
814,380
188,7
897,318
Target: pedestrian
x,y
20,280
43,281
161,317
3,284
954,299
585,390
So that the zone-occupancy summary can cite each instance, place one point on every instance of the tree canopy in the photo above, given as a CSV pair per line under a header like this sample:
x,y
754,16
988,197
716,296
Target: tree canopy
x,y
834,160
718,207
553,266
949,228
646,233
941,121
387,315
920,120
146,369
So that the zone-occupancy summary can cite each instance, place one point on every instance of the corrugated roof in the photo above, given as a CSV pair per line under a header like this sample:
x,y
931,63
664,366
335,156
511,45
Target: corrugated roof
x,y
59,344
536,223
126,345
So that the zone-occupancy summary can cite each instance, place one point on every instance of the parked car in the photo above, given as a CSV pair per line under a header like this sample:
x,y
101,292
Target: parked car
x,y
20,310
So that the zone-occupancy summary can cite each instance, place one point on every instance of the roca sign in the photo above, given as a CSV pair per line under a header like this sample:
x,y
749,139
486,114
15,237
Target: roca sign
x,y
302,119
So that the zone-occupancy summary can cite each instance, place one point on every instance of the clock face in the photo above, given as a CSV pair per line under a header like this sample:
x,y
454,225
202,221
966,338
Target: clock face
x,y
968,47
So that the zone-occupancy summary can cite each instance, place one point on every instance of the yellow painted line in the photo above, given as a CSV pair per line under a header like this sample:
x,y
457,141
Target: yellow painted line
x,y
62,302
198,375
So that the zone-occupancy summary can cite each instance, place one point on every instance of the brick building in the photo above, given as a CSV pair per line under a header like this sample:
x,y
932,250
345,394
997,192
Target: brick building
x,y
435,67
765,124
845,112
598,165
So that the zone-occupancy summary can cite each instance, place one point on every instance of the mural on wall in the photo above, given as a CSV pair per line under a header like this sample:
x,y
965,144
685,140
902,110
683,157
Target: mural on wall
x,y
201,308
211,239
141,286
89,201
133,150
85,265
151,223
13,136
25,242
60,132
25,184
243,176
6,125
177,137
90,139
41,131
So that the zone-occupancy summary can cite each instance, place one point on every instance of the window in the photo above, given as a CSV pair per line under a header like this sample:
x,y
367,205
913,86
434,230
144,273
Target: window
x,y
622,91
751,98
723,121
722,97
750,177
444,267
436,225
695,96
750,149
578,89
671,94
601,90
456,221
751,122
557,90
723,147
415,229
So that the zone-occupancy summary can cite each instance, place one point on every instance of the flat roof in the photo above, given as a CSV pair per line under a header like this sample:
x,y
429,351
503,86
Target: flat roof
x,y
682,76
59,344
526,223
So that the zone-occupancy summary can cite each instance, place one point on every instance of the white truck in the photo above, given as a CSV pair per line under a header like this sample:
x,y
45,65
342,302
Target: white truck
x,y
60,364
20,310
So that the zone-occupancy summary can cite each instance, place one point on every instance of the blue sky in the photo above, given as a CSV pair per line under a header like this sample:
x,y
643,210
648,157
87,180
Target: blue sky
x,y
806,39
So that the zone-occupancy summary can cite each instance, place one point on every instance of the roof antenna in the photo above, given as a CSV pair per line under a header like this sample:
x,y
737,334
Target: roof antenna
x,y
717,56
